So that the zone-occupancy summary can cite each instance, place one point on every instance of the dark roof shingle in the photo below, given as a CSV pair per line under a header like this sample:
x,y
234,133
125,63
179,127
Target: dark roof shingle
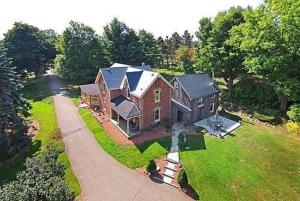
x,y
90,89
113,76
197,85
124,107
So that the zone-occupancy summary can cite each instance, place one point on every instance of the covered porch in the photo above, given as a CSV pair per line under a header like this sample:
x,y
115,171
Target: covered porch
x,y
126,116
90,95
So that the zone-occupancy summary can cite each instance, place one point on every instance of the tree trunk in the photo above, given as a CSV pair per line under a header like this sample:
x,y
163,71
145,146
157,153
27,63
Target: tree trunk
x,y
229,85
283,102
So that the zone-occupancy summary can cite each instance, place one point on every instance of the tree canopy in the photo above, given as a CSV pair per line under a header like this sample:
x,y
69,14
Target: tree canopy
x,y
29,48
121,43
215,53
80,53
149,47
270,38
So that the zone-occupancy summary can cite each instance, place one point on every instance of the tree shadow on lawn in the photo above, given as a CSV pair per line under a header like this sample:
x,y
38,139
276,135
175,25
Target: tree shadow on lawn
x,y
10,169
164,142
193,142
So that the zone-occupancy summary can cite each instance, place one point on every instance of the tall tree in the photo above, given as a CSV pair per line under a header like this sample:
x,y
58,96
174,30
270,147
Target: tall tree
x,y
214,51
121,43
149,47
81,53
187,39
270,37
28,48
50,38
185,58
175,43
14,109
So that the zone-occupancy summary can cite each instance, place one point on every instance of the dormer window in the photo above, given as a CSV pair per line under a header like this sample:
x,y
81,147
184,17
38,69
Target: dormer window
x,y
157,96
176,85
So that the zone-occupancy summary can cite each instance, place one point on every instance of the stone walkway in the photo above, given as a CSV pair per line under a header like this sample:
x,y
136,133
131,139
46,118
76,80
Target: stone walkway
x,y
173,156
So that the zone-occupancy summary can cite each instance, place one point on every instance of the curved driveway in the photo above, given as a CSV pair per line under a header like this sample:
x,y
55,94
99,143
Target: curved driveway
x,y
99,175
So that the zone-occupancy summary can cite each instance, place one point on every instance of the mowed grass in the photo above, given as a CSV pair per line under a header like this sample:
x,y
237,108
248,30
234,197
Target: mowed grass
x,y
255,163
43,111
130,156
167,73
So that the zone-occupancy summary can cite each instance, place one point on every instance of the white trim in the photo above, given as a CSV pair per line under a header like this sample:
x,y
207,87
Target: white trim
x,y
213,107
176,85
181,104
213,96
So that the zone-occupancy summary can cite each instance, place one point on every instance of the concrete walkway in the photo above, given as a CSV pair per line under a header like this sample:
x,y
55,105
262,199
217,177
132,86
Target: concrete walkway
x,y
99,175
173,156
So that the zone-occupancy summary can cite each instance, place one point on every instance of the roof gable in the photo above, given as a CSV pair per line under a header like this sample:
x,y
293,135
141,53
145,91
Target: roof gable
x,y
133,79
113,76
197,85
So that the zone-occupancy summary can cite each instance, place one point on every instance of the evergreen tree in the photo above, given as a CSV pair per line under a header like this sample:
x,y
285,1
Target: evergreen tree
x,y
187,39
14,109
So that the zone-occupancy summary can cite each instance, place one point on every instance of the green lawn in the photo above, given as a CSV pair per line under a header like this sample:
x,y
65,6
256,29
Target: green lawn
x,y
43,111
132,156
167,73
253,163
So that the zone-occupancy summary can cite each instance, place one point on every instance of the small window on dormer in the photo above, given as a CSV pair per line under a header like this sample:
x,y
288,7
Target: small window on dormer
x,y
157,95
176,85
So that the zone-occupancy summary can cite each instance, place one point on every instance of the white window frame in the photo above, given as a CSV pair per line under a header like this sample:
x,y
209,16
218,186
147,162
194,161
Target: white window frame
x,y
157,100
200,102
213,96
157,109
176,85
212,109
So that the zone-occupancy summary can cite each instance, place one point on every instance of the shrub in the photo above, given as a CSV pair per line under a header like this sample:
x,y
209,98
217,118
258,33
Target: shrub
x,y
293,127
151,166
294,112
264,117
182,179
42,179
254,95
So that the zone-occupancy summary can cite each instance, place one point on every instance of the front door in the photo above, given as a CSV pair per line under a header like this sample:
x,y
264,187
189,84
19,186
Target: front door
x,y
179,116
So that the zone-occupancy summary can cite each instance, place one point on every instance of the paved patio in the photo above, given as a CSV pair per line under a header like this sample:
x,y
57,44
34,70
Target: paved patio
x,y
119,137
228,125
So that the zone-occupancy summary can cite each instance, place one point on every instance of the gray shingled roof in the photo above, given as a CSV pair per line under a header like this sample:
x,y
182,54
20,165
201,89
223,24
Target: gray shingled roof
x,y
197,85
90,89
133,79
113,76
124,107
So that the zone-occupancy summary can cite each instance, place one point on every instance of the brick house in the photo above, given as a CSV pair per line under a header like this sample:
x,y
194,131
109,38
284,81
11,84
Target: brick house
x,y
195,97
134,97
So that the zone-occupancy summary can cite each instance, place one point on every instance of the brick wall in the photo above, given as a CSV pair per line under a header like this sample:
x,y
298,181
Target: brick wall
x,y
104,97
149,104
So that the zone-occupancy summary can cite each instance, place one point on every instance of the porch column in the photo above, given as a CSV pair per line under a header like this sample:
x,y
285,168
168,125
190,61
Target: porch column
x,y
127,126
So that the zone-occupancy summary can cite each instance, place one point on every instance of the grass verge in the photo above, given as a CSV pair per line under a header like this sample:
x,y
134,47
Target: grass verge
x,y
43,111
131,156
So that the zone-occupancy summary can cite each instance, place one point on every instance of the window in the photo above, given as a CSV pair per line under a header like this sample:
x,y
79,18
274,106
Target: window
x,y
213,96
157,114
157,95
104,88
94,100
176,85
212,107
200,102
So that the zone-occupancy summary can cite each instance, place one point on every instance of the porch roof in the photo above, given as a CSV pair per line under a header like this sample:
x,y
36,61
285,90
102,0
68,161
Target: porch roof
x,y
180,106
90,89
124,107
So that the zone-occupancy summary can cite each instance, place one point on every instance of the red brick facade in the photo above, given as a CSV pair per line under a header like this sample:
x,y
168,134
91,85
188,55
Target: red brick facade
x,y
149,104
146,104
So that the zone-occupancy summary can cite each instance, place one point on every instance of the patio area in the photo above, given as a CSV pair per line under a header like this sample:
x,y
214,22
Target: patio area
x,y
218,126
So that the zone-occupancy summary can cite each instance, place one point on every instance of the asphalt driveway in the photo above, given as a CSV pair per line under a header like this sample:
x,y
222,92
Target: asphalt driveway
x,y
99,175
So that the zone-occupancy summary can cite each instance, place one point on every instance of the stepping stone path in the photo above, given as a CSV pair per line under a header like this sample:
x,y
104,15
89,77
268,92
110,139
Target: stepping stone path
x,y
173,156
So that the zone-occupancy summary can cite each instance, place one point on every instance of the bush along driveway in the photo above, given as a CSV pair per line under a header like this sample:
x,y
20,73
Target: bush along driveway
x,y
43,112
100,176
